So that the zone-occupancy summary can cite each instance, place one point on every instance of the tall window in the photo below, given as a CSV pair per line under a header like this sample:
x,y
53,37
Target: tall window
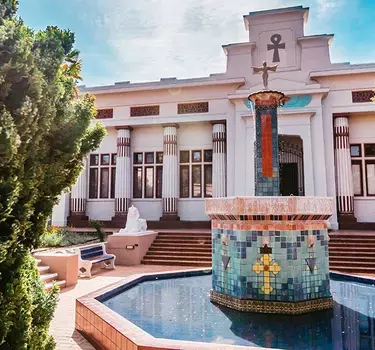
x,y
196,174
147,174
102,175
363,168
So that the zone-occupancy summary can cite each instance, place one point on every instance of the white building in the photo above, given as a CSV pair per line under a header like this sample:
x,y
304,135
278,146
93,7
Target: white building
x,y
171,143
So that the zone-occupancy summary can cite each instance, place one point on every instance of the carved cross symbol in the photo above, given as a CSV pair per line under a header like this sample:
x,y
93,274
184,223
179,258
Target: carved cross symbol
x,y
266,268
276,46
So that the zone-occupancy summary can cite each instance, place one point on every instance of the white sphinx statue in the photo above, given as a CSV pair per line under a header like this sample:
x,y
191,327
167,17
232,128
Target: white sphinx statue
x,y
133,223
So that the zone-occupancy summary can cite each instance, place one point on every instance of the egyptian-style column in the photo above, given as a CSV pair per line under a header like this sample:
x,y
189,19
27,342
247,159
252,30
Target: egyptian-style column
x,y
123,175
219,160
78,198
170,173
344,176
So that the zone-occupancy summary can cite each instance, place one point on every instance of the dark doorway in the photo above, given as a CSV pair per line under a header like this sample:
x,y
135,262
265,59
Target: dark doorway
x,y
289,179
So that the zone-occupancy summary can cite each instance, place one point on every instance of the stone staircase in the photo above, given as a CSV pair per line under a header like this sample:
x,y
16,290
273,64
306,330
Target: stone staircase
x,y
180,248
48,277
352,252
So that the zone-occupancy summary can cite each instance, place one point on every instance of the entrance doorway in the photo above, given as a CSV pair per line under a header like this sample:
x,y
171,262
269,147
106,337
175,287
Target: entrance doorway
x,y
291,166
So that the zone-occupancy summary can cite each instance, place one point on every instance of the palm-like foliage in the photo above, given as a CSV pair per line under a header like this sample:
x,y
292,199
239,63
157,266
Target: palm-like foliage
x,y
72,65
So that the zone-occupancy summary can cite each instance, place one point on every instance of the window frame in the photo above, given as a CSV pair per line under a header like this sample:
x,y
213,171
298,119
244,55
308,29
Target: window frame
x,y
185,166
364,150
368,161
206,165
156,186
358,162
203,165
111,166
360,150
196,166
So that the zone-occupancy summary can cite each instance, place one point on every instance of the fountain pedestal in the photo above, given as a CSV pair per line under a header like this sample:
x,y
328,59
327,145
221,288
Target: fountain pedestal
x,y
270,253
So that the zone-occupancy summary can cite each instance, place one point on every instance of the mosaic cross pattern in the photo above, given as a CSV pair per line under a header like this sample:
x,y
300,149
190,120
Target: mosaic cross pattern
x,y
289,270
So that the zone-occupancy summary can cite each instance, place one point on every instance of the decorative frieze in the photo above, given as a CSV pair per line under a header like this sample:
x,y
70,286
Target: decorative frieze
x,y
192,108
272,307
144,111
363,96
105,113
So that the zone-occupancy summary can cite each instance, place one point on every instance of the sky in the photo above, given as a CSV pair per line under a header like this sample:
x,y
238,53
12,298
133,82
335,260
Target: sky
x,y
145,40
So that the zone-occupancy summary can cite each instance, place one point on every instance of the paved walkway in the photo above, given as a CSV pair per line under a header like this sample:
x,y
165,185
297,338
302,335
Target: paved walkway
x,y
62,327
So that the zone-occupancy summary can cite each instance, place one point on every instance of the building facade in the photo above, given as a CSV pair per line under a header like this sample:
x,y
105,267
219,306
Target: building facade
x,y
173,143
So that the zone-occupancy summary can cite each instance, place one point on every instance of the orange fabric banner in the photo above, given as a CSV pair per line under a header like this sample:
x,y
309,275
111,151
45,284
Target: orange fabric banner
x,y
266,125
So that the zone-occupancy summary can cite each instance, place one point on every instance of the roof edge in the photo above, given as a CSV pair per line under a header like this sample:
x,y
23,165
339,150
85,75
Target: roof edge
x,y
161,85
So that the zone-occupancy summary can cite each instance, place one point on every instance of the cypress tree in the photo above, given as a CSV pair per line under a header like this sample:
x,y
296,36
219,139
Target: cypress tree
x,y
45,133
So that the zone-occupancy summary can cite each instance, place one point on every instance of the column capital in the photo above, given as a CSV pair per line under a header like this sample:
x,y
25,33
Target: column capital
x,y
223,121
170,125
341,115
124,127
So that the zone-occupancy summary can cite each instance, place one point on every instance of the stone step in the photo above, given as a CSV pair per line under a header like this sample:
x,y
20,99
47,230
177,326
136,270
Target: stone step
x,y
180,253
351,263
199,249
344,254
182,241
172,243
181,237
180,257
181,247
352,269
351,245
352,240
38,261
176,263
346,257
351,249
60,283
184,233
48,277
43,269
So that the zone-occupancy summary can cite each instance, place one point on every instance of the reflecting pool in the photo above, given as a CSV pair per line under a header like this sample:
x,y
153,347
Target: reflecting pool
x,y
180,308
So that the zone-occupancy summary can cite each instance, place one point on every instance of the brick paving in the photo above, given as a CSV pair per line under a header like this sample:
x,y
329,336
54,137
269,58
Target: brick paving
x,y
62,326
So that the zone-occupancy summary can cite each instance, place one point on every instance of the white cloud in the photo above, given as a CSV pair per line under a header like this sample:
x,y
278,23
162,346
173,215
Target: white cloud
x,y
150,39
325,6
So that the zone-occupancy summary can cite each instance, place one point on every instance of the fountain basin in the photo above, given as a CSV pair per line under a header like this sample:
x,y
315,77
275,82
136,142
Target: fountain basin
x,y
173,311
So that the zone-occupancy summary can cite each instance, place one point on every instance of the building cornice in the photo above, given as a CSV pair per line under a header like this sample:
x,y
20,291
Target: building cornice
x,y
338,72
160,85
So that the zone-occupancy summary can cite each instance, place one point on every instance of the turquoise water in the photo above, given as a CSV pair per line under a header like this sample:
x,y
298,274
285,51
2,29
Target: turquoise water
x,y
180,308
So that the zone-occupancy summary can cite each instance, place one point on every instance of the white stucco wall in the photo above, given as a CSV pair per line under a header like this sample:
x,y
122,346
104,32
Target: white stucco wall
x,y
60,211
362,130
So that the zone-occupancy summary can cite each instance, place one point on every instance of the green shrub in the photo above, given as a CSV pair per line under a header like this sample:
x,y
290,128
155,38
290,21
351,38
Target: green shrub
x,y
30,305
97,225
74,238
53,237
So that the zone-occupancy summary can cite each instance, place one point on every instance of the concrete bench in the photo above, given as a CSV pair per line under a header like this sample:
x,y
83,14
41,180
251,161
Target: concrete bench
x,y
94,254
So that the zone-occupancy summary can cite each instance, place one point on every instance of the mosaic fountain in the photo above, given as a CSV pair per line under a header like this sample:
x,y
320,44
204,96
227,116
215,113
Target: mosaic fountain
x,y
270,253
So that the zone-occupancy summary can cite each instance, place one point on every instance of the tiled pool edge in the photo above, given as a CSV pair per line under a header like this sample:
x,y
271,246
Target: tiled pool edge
x,y
106,329
352,278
